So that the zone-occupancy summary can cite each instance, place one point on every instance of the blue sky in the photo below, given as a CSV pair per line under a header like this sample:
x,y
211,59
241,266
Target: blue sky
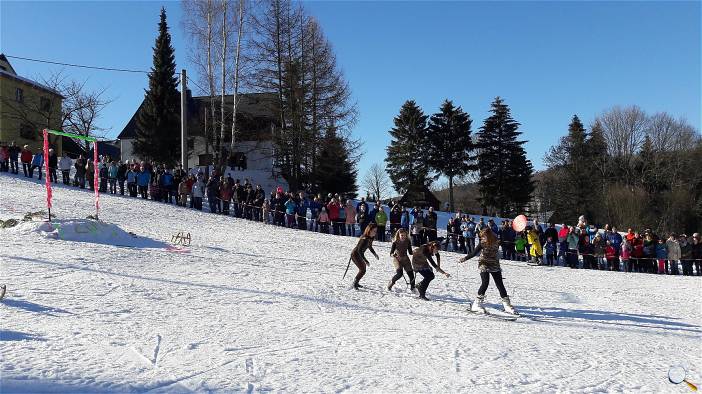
x,y
548,60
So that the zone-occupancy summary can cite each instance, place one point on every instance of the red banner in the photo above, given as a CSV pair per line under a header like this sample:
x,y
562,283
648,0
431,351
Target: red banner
x,y
96,179
46,165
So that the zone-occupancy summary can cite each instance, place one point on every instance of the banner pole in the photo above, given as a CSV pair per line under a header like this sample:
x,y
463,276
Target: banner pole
x,y
48,175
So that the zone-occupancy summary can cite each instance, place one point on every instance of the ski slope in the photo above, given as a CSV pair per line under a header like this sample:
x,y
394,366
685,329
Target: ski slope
x,y
250,307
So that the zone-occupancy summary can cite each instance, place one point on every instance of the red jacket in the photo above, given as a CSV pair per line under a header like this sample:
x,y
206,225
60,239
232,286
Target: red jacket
x,y
225,193
26,156
333,209
610,252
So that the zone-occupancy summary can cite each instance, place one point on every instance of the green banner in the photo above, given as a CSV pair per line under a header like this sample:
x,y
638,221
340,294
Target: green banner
x,y
78,136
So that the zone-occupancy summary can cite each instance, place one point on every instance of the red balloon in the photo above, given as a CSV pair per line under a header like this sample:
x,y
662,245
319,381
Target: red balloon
x,y
519,223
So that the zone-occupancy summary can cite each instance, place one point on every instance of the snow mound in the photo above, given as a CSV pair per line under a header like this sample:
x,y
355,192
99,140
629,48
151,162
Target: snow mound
x,y
87,230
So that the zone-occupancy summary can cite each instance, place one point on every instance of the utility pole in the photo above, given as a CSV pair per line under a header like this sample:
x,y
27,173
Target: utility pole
x,y
183,121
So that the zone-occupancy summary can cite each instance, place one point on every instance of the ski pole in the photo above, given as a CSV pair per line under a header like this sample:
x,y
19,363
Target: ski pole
x,y
347,269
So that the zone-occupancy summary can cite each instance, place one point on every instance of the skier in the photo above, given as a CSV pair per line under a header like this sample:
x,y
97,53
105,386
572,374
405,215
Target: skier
x,y
488,264
364,242
421,260
400,257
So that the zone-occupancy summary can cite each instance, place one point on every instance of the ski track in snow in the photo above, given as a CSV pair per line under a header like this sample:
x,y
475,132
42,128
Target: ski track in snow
x,y
253,308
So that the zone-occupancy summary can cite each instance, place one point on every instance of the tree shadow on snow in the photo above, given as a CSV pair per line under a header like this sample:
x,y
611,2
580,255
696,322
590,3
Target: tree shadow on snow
x,y
540,313
609,317
272,294
7,335
33,307
37,385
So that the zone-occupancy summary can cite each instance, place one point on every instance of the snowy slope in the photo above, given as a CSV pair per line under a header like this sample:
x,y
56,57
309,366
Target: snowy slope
x,y
250,307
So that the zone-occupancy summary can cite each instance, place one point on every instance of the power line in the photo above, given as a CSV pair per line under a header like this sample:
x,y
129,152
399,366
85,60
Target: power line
x,y
195,83
78,65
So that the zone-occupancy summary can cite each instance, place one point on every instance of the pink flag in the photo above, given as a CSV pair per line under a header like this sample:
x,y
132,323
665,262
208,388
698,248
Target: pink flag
x,y
46,165
96,179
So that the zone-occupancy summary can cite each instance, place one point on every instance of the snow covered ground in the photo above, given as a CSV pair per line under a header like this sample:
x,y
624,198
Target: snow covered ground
x,y
250,307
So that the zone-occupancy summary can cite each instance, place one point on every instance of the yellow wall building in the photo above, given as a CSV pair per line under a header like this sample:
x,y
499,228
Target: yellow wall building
x,y
26,108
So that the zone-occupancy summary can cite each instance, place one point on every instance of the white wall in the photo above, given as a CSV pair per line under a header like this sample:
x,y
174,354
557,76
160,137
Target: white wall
x,y
127,150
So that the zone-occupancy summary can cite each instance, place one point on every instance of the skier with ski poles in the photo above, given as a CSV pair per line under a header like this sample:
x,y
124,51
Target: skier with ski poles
x,y
400,258
422,263
488,264
365,242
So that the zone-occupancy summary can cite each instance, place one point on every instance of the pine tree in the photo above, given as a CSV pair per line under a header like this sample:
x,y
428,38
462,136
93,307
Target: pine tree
x,y
505,173
336,171
158,124
407,155
450,144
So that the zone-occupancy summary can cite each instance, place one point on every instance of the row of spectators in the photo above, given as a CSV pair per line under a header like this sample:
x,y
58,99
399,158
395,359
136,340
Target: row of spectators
x,y
580,246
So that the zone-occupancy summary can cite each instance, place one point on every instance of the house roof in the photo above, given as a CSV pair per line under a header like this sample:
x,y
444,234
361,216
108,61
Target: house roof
x,y
5,64
420,196
252,105
11,74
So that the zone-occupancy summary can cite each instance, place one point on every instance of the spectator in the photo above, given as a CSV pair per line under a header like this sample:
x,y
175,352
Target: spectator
x,y
350,218
611,256
53,165
381,219
323,220
26,157
112,177
37,163
198,192
661,255
80,166
14,152
685,255
696,247
143,179
64,166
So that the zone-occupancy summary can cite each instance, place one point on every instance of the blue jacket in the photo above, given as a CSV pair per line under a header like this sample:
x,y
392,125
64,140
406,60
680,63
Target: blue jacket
x,y
290,207
143,178
112,172
550,248
131,176
38,160
315,207
616,240
302,207
166,179
661,251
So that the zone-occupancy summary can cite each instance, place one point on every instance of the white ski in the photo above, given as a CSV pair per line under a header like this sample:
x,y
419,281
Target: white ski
x,y
496,314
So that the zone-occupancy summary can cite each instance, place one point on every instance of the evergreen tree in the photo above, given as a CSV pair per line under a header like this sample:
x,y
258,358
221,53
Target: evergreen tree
x,y
407,155
450,144
572,161
505,172
336,171
158,123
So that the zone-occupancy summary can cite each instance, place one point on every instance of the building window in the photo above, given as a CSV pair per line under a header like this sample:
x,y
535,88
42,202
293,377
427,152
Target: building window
x,y
19,95
45,104
27,132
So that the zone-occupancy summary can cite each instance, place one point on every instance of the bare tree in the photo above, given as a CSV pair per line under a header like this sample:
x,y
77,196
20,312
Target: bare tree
x,y
82,108
624,129
240,19
376,181
200,25
79,112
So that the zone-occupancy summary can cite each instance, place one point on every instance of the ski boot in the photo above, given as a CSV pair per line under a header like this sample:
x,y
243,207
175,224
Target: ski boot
x,y
477,306
390,284
508,306
357,285
422,292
